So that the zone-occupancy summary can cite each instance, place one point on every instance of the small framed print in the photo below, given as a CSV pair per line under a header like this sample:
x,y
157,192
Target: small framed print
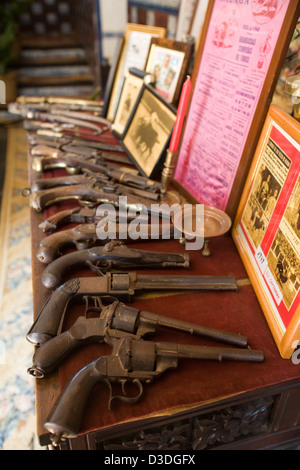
x,y
148,131
132,85
267,227
168,62
134,53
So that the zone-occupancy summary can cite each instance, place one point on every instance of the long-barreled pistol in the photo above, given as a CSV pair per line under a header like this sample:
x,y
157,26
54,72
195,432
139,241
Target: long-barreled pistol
x,y
99,180
131,361
59,142
116,320
88,193
85,236
123,286
113,255
73,118
74,164
81,151
80,215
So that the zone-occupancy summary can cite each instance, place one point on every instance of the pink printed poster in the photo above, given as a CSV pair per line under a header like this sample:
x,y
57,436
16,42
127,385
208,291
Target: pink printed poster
x,y
238,49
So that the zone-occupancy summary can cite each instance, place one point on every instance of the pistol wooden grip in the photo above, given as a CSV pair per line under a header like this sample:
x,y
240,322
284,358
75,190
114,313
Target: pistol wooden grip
x,y
47,323
49,248
67,413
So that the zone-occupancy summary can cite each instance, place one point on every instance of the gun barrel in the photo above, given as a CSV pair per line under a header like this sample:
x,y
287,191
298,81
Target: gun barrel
x,y
208,352
191,328
112,256
145,282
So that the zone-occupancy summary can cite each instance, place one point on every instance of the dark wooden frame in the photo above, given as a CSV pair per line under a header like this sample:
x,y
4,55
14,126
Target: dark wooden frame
x,y
164,123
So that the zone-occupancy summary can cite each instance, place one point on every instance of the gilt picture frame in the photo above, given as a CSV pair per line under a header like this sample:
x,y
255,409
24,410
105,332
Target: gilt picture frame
x,y
266,229
148,131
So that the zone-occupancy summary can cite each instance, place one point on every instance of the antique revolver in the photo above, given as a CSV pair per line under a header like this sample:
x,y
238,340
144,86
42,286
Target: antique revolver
x,y
85,236
114,254
132,361
115,321
120,285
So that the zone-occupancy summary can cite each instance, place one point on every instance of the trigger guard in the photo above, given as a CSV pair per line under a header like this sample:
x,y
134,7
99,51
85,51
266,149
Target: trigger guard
x,y
83,245
97,268
124,398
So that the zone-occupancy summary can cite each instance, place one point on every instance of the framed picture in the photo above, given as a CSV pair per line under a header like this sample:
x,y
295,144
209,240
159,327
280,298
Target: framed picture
x,y
239,59
134,53
267,227
168,62
148,131
132,85
111,76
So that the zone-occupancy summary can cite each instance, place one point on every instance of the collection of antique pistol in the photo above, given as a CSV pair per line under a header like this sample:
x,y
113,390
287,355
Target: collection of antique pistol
x,y
100,172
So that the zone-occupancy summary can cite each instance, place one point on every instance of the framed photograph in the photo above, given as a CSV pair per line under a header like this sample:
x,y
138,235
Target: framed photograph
x,y
168,62
240,55
134,53
148,131
132,85
267,227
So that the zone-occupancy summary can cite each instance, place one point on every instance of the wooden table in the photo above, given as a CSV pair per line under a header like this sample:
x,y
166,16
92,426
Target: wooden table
x,y
201,404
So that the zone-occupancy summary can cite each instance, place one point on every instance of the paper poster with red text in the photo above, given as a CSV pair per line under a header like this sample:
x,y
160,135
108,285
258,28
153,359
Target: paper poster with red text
x,y
238,49
270,223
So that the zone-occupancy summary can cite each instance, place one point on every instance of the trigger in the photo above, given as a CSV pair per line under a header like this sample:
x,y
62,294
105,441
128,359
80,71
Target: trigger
x,y
125,398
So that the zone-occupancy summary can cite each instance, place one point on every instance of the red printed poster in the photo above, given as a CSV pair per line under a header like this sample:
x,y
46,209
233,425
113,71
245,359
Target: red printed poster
x,y
239,46
270,224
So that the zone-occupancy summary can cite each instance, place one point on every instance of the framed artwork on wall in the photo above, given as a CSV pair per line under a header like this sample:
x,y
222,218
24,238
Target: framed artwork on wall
x,y
148,131
239,59
267,227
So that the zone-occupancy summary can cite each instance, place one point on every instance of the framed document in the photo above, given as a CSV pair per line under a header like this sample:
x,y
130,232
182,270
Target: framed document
x,y
148,131
132,85
168,62
240,54
267,227
134,54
